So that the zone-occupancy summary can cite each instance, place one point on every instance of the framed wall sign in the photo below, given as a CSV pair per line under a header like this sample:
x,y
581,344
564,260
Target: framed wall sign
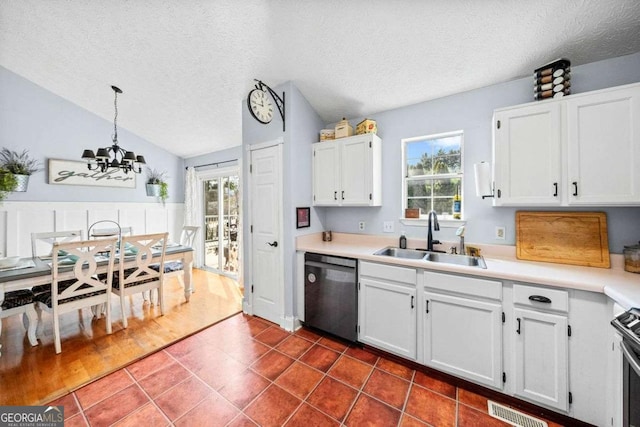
x,y
303,217
70,172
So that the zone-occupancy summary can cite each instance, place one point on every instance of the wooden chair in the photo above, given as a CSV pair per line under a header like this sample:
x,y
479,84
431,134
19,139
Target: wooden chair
x,y
21,302
141,278
109,232
42,243
84,289
187,237
42,247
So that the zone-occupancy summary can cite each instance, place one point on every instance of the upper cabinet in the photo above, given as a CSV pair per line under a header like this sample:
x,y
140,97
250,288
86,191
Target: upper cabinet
x,y
348,171
526,145
580,150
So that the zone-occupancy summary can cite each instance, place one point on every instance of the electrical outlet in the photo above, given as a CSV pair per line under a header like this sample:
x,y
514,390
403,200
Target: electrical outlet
x,y
387,226
499,233
361,225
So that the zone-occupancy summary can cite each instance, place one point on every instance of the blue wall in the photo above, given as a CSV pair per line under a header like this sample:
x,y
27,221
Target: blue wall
x,y
472,112
302,124
49,126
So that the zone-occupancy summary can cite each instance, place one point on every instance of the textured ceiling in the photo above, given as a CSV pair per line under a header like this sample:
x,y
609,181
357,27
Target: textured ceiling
x,y
186,66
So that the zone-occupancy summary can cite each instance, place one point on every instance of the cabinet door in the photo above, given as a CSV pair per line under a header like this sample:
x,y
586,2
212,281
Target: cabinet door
x,y
326,173
541,358
527,155
387,317
604,148
464,337
356,176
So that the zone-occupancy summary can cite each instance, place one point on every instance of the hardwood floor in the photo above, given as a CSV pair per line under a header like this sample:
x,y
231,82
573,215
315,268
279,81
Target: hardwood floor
x,y
36,375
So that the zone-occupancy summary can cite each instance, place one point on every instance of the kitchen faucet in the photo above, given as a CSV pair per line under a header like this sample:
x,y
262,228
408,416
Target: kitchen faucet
x,y
436,227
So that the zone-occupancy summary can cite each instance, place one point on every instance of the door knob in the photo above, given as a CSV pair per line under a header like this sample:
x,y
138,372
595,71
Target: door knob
x,y
273,245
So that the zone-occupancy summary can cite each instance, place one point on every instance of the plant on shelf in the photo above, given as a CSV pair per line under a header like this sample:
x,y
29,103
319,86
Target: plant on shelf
x,y
8,183
21,165
157,184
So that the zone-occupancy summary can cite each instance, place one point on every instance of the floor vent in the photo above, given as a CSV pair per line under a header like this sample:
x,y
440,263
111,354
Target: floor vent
x,y
513,417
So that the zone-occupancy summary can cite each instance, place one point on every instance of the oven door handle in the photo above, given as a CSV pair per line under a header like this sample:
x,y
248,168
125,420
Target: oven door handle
x,y
631,357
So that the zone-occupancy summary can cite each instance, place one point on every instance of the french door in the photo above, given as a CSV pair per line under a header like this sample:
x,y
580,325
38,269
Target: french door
x,y
221,223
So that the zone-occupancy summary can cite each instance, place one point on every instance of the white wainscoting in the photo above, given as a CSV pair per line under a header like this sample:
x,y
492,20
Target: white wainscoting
x,y
19,219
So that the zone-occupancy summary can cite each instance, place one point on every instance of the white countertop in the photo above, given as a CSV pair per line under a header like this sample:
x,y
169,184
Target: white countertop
x,y
622,286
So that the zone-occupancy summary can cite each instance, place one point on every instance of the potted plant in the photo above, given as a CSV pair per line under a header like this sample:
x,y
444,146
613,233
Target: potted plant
x,y
21,165
8,183
157,184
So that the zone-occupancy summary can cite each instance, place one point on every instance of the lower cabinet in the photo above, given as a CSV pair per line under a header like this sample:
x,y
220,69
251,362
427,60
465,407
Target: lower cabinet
x,y
387,308
541,357
488,331
541,345
462,329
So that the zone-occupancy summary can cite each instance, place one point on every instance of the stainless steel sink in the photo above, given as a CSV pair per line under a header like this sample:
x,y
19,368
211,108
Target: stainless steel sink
x,y
401,253
419,254
471,261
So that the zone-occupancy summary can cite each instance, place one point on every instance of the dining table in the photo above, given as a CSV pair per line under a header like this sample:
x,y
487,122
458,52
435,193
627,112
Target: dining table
x,y
36,271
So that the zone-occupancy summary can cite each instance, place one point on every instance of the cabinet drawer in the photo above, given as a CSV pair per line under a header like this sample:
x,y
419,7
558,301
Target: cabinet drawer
x,y
388,272
542,298
465,285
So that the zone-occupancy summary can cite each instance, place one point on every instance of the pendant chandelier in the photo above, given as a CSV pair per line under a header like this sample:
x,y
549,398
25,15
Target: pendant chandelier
x,y
114,157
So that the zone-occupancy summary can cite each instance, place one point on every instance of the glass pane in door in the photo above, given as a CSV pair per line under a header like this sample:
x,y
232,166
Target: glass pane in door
x,y
222,222
230,223
211,219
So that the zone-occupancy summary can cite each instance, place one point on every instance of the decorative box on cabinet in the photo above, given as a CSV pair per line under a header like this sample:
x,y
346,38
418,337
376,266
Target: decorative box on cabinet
x,y
348,171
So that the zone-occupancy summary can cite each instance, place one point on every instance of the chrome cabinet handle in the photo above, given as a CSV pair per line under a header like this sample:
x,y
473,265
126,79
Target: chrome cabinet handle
x,y
273,245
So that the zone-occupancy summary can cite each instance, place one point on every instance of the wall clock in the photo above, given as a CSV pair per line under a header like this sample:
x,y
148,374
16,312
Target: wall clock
x,y
260,105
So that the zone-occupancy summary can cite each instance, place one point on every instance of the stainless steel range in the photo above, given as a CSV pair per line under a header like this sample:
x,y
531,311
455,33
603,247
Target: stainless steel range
x,y
628,324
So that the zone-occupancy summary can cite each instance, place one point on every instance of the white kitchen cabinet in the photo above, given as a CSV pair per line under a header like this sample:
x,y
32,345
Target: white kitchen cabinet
x,y
541,357
603,136
348,171
527,144
583,149
463,327
387,308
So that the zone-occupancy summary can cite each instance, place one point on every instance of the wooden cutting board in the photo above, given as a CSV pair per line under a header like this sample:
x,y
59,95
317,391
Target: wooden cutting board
x,y
576,238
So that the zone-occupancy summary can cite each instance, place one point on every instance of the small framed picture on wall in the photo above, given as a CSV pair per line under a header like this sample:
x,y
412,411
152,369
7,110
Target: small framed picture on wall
x,y
303,217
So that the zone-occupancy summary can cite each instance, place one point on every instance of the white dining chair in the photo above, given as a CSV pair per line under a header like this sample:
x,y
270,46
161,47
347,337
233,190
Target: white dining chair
x,y
21,302
83,289
42,243
141,277
187,237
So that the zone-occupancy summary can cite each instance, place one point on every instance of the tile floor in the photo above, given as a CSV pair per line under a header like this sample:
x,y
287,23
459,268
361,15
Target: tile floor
x,y
245,371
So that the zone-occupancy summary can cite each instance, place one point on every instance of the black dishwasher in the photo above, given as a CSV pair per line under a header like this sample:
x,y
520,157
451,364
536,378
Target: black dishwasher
x,y
331,294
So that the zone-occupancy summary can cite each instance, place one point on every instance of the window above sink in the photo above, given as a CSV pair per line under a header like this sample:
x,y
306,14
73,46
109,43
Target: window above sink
x,y
432,175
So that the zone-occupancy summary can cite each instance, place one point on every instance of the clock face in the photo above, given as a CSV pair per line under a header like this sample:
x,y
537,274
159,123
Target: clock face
x,y
260,106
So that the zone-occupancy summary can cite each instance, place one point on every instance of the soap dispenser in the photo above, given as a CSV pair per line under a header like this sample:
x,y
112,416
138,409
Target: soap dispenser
x,y
403,241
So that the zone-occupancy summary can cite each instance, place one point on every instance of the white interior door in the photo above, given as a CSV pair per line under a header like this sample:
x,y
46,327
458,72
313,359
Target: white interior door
x,y
267,286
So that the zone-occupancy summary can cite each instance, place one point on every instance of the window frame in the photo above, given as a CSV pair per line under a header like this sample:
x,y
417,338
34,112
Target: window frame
x,y
446,220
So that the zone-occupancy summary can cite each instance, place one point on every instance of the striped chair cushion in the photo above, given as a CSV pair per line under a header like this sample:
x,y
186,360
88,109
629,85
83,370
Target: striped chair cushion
x,y
44,296
169,267
116,279
15,299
